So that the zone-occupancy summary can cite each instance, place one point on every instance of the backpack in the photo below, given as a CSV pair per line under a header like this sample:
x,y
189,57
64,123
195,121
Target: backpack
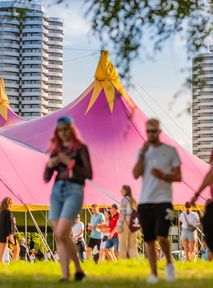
x,y
134,223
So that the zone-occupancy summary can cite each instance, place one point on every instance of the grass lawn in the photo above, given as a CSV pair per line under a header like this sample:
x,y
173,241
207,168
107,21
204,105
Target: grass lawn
x,y
125,274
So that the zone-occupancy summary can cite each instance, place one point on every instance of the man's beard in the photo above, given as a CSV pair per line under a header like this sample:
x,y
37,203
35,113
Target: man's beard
x,y
154,141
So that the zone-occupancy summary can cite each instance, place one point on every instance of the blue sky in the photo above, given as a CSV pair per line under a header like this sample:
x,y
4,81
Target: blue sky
x,y
156,81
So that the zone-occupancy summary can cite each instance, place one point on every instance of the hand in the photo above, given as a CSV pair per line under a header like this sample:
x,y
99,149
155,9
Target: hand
x,y
63,158
119,230
145,148
53,162
158,173
90,227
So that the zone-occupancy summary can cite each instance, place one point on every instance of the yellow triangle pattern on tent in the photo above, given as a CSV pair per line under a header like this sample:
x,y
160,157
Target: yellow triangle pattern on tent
x,y
4,103
107,78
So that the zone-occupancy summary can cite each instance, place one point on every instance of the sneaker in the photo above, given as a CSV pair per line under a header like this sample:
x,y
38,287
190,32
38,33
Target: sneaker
x,y
152,279
80,276
170,273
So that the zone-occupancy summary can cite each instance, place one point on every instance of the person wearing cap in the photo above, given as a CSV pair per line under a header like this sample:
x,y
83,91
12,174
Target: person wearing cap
x,y
112,241
189,222
95,226
70,161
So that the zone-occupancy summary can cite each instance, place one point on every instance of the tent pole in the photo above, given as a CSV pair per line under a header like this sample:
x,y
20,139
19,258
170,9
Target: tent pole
x,y
53,242
179,233
25,225
41,235
45,233
85,220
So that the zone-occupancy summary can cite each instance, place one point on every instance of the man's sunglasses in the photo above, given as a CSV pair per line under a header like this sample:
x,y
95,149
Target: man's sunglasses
x,y
148,131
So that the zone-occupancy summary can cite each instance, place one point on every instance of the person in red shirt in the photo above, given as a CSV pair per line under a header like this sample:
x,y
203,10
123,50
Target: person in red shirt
x,y
112,241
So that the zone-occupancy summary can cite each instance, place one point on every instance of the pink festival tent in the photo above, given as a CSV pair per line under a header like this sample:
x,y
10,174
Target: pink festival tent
x,y
7,116
21,178
114,129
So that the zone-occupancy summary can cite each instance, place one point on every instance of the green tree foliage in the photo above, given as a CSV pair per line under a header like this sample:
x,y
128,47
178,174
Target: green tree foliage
x,y
126,24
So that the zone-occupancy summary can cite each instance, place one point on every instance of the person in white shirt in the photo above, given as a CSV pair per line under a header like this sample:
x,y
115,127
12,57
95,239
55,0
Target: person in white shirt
x,y
189,222
7,256
159,165
32,256
78,237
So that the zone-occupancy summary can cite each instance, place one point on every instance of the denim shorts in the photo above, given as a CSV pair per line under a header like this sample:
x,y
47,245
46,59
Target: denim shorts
x,y
188,235
113,242
66,200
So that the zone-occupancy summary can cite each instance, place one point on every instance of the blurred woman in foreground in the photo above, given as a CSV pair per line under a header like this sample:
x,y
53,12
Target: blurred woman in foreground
x,y
69,157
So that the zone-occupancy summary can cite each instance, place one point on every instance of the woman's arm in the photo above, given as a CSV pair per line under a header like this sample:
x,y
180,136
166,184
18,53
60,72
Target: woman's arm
x,y
9,226
86,170
50,168
122,214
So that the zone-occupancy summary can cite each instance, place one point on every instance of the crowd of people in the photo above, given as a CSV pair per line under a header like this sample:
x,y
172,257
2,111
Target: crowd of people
x,y
113,233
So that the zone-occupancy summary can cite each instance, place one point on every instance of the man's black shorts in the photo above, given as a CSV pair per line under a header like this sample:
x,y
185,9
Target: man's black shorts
x,y
208,226
155,220
93,242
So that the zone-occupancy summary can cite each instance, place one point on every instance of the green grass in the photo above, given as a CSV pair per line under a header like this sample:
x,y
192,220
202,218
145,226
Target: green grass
x,y
125,274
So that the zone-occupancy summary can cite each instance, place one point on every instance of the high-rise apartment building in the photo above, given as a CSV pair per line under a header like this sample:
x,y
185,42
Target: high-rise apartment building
x,y
202,105
31,58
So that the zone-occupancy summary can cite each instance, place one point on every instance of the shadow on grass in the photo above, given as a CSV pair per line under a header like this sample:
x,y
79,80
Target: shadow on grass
x,y
40,281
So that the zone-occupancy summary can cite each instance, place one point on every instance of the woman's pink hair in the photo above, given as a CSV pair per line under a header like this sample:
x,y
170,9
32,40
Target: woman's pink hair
x,y
56,143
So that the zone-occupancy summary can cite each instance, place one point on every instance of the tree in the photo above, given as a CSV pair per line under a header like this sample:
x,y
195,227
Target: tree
x,y
125,24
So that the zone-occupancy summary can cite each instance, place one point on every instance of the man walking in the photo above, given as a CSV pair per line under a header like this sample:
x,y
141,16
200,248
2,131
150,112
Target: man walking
x,y
159,165
96,236
78,237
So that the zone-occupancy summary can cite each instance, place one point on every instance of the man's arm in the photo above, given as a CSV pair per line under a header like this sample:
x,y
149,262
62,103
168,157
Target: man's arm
x,y
208,180
174,176
78,234
138,169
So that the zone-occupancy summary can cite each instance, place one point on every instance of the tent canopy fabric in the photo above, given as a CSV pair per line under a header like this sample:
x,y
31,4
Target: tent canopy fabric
x,y
21,172
113,127
7,116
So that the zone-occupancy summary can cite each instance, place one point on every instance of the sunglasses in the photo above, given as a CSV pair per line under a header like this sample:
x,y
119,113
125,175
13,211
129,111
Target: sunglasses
x,y
63,129
148,131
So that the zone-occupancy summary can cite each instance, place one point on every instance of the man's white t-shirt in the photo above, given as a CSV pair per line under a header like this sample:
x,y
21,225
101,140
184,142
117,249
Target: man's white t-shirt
x,y
154,190
77,228
192,218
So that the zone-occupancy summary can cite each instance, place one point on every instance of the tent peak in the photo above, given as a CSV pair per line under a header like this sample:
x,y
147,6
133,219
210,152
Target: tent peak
x,y
105,69
4,102
107,79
